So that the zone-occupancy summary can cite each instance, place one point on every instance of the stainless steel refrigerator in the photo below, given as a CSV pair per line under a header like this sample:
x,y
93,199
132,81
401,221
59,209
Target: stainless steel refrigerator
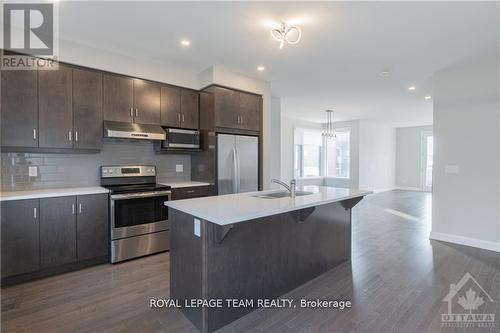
x,y
237,163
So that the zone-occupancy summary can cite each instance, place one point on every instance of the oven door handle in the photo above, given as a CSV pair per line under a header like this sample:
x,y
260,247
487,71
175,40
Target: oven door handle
x,y
140,195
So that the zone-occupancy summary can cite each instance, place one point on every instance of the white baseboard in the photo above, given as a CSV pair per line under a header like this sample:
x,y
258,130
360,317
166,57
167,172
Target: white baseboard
x,y
378,190
479,243
410,188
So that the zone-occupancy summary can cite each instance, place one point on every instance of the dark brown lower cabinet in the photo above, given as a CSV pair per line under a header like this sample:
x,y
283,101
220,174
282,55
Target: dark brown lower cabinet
x,y
57,231
20,237
92,226
189,192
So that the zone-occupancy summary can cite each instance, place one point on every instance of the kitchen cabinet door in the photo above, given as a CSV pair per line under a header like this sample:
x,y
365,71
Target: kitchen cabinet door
x,y
20,237
146,102
55,107
118,98
92,226
87,108
57,231
226,103
190,115
250,111
19,105
170,106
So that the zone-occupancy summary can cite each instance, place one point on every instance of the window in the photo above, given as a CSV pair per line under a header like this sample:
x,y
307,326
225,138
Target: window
x,y
308,153
315,156
338,155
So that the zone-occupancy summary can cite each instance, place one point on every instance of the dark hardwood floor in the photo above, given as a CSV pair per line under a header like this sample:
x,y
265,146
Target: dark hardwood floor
x,y
396,282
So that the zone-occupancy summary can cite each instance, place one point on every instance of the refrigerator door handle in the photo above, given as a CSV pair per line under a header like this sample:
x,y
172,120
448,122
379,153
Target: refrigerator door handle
x,y
235,171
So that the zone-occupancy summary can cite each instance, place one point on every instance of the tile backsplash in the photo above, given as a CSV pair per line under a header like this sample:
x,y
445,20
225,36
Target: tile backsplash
x,y
61,170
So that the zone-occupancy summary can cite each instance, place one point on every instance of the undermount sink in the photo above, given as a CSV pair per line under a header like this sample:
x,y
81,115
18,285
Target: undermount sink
x,y
281,194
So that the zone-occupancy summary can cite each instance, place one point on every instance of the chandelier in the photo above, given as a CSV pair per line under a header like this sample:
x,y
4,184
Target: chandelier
x,y
328,130
286,33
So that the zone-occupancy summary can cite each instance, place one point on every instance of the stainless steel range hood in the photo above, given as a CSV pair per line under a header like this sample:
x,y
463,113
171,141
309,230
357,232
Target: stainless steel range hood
x,y
121,130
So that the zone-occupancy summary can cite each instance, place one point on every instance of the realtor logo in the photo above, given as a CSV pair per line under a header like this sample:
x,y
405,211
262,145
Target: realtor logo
x,y
467,305
29,29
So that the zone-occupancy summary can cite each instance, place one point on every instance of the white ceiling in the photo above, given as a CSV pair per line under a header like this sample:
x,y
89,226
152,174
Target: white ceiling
x,y
343,48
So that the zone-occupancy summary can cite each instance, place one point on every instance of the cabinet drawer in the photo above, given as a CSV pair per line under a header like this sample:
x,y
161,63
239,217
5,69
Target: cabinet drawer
x,y
189,192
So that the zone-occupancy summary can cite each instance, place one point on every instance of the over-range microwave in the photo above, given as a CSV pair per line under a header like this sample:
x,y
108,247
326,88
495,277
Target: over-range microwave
x,y
181,139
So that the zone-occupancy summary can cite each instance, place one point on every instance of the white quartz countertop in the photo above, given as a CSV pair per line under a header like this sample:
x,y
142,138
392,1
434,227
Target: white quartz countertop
x,y
178,184
234,208
50,192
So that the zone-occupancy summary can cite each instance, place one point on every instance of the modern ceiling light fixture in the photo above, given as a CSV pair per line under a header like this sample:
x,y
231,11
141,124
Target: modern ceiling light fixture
x,y
290,34
185,42
411,88
428,97
261,68
328,130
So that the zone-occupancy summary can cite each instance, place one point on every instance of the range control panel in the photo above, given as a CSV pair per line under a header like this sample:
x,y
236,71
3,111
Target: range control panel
x,y
128,171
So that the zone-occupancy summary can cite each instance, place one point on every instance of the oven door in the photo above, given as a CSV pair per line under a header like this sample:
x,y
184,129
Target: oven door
x,y
135,214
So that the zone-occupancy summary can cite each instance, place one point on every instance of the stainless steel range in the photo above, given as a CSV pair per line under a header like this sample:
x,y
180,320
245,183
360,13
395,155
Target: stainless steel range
x,y
138,217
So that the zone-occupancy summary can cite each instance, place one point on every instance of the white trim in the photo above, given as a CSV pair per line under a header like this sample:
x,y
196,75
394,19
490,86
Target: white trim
x,y
387,189
410,188
474,242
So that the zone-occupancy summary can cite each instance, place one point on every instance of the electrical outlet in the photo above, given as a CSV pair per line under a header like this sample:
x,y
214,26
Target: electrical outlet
x,y
179,168
32,171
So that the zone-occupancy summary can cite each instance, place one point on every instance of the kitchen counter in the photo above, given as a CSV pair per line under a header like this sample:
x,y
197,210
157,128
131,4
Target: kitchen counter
x,y
235,208
177,184
50,192
245,248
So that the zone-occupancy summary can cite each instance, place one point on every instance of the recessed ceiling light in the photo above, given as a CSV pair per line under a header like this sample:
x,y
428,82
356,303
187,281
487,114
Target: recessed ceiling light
x,y
384,73
411,88
260,68
427,97
185,42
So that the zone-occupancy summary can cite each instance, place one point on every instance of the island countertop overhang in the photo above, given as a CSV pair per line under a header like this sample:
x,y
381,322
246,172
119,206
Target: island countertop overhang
x,y
234,208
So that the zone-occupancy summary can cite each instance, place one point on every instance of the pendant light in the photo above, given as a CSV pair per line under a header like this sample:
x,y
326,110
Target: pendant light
x,y
328,130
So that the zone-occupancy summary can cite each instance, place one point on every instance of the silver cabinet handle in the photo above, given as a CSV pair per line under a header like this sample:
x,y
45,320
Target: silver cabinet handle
x,y
191,191
34,133
34,212
73,209
183,117
80,208
76,135
136,112
70,137
241,117
179,117
131,112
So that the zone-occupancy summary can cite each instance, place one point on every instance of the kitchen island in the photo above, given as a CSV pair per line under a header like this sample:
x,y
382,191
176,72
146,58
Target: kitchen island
x,y
254,246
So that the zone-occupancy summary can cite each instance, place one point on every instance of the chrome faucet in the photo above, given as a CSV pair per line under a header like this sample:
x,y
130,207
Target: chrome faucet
x,y
290,188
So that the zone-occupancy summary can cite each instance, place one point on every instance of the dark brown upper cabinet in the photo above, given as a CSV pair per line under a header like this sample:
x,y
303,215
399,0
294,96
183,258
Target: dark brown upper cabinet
x,y
19,105
227,104
146,102
131,100
55,107
179,107
250,112
118,98
190,115
87,109
237,110
170,106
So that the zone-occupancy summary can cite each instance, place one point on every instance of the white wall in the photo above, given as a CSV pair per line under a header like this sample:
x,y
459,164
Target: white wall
x,y
377,156
275,149
466,189
82,55
409,155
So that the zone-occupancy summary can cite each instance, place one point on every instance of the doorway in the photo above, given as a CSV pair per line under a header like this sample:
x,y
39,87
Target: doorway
x,y
427,157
